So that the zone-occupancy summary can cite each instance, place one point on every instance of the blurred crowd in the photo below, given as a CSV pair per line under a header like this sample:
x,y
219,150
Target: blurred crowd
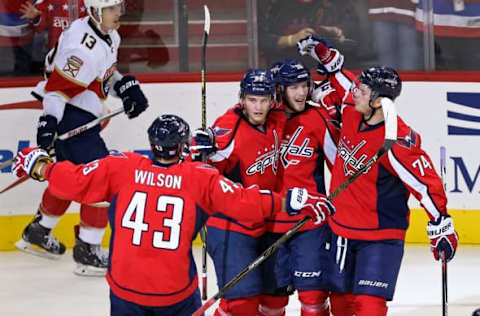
x,y
394,33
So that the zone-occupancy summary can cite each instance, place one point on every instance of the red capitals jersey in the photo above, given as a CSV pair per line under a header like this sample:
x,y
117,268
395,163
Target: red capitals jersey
x,y
155,213
249,156
14,31
374,206
56,16
309,141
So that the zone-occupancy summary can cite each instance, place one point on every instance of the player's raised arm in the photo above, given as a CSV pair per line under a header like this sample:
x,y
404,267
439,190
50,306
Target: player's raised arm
x,y
330,63
85,183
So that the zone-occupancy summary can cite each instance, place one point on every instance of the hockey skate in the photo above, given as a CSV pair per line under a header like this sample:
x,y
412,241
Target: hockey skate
x,y
91,260
38,240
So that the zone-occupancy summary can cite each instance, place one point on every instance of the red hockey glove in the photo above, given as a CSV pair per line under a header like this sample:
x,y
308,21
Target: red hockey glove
x,y
322,51
28,161
318,207
443,237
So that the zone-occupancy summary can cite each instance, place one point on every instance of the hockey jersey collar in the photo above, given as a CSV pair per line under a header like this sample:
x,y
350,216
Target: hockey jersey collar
x,y
104,37
242,116
364,126
163,165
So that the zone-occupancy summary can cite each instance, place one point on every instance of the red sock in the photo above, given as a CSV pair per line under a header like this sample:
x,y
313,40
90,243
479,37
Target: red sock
x,y
314,303
246,306
272,305
369,305
52,205
342,304
92,216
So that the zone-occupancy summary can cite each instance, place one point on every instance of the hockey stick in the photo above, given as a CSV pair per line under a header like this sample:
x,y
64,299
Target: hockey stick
x,y
65,136
14,184
203,231
443,171
390,116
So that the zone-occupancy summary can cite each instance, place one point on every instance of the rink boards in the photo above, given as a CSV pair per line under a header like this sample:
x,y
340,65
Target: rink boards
x,y
444,113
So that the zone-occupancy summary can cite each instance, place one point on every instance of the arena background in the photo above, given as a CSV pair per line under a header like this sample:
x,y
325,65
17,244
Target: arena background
x,y
443,108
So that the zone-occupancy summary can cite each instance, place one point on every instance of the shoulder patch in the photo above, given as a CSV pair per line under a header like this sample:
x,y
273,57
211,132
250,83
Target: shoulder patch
x,y
219,132
409,140
73,65
117,154
206,166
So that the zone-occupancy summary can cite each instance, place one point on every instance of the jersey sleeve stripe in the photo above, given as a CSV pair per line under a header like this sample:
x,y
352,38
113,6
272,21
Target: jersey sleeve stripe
x,y
329,147
223,154
68,78
64,85
419,187
345,82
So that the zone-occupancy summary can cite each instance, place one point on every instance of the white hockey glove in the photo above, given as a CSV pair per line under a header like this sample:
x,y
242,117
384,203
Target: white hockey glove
x,y
443,237
318,207
322,51
28,162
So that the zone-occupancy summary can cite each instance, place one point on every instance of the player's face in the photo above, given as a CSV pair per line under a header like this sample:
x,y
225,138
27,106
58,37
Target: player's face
x,y
111,17
296,95
361,97
256,107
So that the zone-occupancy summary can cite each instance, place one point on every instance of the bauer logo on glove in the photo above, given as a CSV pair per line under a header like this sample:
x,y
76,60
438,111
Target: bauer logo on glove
x,y
133,99
443,237
28,162
318,207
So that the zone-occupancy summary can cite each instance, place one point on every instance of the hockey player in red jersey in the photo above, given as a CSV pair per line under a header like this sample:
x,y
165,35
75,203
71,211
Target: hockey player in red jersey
x,y
157,207
81,72
308,142
248,140
53,15
372,213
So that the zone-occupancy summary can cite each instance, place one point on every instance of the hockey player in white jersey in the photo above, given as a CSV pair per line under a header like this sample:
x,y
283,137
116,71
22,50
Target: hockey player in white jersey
x,y
80,73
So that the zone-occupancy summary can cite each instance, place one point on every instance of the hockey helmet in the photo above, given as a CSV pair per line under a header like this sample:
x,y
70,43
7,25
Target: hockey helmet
x,y
257,82
293,71
275,70
168,134
384,82
98,6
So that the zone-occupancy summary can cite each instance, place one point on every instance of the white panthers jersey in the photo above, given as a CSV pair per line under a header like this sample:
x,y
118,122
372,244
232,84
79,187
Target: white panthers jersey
x,y
81,69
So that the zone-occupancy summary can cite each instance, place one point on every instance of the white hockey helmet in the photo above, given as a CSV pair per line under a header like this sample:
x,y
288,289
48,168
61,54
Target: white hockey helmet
x,y
98,6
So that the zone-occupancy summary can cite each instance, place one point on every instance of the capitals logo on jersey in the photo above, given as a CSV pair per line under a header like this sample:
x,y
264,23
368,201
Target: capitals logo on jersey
x,y
266,159
353,160
290,149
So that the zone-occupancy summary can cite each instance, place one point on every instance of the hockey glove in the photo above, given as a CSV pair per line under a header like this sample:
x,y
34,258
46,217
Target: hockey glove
x,y
322,51
443,237
46,130
133,99
203,143
318,207
28,161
